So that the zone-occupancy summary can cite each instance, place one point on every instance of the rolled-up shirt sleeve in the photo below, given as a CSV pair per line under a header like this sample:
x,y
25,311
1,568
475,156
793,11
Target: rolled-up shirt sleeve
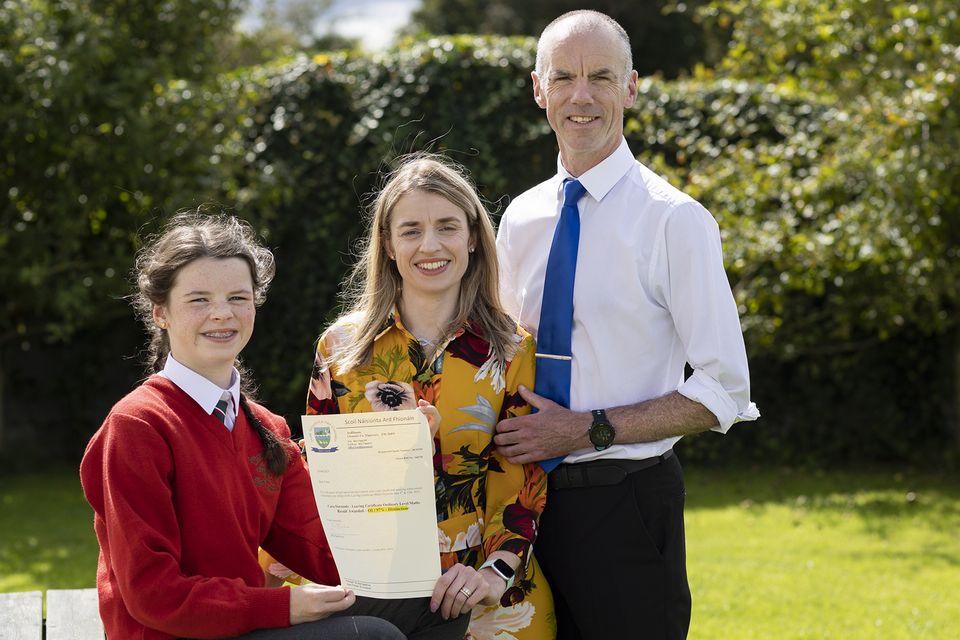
x,y
698,294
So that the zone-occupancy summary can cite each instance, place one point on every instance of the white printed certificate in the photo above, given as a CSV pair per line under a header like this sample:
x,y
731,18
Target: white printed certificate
x,y
372,477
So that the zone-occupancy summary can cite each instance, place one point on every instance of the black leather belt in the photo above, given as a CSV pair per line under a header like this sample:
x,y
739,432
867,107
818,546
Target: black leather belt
x,y
599,473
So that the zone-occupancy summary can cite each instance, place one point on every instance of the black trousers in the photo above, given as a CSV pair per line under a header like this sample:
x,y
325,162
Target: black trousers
x,y
615,557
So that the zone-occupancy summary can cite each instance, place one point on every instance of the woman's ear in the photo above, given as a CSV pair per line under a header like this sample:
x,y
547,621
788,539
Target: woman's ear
x,y
388,246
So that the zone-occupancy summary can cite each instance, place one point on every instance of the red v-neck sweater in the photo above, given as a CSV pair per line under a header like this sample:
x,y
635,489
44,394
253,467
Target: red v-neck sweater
x,y
180,506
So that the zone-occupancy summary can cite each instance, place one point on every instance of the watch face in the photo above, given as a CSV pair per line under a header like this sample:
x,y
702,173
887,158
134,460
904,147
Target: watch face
x,y
602,435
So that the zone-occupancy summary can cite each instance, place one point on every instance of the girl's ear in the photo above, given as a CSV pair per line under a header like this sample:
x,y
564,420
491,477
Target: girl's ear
x,y
160,316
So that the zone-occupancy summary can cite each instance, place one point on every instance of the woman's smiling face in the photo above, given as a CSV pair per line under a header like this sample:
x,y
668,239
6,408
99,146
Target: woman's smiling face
x,y
430,240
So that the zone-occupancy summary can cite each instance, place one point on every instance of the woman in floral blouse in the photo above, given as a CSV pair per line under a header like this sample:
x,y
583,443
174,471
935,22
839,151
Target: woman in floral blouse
x,y
425,323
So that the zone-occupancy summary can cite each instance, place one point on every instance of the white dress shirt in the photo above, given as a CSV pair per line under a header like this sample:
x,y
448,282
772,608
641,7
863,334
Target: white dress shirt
x,y
204,392
650,295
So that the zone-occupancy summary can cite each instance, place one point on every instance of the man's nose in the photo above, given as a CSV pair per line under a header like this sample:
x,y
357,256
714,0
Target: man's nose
x,y
582,93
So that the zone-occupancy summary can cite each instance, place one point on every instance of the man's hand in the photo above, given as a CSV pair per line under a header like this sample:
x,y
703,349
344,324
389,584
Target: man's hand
x,y
317,601
550,432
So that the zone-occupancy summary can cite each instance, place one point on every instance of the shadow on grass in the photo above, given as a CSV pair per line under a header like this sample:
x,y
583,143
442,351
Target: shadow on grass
x,y
885,503
47,538
880,491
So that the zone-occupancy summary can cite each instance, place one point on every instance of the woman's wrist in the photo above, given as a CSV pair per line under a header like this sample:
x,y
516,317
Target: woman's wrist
x,y
498,586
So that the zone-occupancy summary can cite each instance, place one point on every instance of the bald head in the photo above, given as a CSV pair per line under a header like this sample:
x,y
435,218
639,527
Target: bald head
x,y
582,21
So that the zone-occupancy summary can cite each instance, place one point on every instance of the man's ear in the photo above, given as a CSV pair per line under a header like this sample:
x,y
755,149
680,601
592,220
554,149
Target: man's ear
x,y
538,96
632,90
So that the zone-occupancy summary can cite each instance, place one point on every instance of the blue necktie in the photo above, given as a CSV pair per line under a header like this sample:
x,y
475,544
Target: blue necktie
x,y
554,334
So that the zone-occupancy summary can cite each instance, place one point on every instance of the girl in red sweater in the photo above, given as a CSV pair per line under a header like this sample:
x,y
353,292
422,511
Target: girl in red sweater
x,y
187,476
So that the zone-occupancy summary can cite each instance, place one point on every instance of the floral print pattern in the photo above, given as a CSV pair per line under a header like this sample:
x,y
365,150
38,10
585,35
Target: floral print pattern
x,y
484,503
389,396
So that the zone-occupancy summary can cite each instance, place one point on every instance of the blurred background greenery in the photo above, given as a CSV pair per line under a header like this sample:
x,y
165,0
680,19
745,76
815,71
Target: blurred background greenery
x,y
822,135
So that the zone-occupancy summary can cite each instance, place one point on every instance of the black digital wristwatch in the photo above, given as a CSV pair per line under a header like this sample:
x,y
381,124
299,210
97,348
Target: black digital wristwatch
x,y
601,431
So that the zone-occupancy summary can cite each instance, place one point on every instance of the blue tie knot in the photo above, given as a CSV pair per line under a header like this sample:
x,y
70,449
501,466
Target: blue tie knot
x,y
572,192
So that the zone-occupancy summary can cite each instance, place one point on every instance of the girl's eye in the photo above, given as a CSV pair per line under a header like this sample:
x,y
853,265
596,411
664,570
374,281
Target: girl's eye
x,y
411,233
199,300
239,298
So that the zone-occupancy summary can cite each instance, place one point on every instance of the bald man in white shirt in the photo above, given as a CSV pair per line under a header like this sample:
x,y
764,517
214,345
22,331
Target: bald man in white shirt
x,y
650,295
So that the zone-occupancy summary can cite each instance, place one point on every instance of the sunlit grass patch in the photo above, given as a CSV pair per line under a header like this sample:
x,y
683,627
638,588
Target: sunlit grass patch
x,y
779,554
46,533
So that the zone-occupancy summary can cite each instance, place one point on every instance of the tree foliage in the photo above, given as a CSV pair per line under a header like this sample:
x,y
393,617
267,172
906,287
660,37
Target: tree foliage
x,y
866,206
84,159
666,36
282,30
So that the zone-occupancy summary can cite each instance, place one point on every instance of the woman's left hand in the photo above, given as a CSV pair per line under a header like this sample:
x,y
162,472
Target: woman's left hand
x,y
433,416
460,589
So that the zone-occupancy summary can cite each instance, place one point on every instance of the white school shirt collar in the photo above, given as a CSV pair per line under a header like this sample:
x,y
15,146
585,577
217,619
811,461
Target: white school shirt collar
x,y
204,393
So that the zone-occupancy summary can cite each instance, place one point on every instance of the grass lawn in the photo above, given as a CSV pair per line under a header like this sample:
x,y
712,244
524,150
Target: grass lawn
x,y
46,533
772,554
784,555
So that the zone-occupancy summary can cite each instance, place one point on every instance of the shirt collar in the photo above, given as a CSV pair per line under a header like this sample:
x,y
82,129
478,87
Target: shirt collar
x,y
204,393
599,179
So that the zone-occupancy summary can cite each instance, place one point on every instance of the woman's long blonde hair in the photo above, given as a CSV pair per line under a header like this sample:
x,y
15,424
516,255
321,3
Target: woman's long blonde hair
x,y
374,284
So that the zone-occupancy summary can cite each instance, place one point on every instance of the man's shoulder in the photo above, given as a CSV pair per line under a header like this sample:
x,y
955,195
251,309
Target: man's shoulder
x,y
533,197
659,189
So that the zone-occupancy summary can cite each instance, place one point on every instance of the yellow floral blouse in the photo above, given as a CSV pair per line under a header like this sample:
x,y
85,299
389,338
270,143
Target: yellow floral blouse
x,y
484,503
